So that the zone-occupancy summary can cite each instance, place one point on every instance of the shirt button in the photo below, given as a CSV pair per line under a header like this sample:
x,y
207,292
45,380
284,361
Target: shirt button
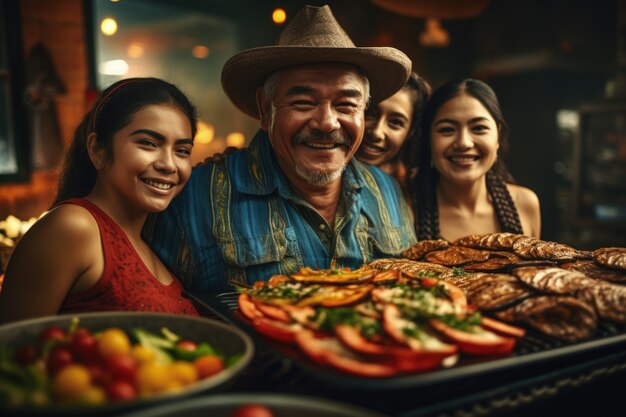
x,y
322,227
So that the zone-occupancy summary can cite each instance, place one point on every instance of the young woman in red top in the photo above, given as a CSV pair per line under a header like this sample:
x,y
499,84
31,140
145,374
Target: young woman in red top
x,y
130,156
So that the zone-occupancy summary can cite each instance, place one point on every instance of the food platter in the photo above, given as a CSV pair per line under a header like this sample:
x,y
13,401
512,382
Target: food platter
x,y
228,340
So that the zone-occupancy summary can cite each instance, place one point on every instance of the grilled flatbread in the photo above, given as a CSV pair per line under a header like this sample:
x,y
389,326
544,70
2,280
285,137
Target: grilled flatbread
x,y
421,248
611,257
406,265
562,317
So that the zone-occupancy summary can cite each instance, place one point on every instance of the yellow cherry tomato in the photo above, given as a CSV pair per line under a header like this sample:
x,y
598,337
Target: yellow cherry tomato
x,y
94,396
153,377
142,354
113,342
183,372
71,382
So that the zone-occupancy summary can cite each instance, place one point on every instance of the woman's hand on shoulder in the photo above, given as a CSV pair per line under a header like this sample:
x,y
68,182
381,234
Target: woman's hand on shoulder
x,y
528,208
57,250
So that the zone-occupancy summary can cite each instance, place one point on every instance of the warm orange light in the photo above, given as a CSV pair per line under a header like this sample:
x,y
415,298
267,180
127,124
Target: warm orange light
x,y
279,16
108,26
200,51
205,133
135,50
236,139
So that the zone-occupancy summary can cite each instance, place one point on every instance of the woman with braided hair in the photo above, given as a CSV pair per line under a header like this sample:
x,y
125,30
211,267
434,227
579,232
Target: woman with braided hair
x,y
392,129
462,185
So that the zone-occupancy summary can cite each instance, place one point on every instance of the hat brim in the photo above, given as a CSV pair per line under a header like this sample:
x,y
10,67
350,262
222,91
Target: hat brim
x,y
386,68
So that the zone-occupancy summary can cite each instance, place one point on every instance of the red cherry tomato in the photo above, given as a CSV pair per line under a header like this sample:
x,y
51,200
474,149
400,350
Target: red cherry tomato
x,y
25,355
120,391
122,367
84,346
98,375
252,410
58,358
187,345
52,333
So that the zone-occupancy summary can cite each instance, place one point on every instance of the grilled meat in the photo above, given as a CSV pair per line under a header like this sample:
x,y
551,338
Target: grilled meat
x,y
494,241
532,248
491,291
593,270
406,265
611,257
457,256
554,280
566,318
417,251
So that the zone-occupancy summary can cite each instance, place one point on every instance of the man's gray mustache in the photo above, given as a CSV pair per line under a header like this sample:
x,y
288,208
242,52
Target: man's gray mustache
x,y
336,137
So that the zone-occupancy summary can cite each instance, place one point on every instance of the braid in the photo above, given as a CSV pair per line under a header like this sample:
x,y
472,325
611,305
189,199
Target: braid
x,y
506,212
426,210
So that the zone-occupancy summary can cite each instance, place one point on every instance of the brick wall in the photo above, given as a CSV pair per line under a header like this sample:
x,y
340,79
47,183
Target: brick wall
x,y
59,26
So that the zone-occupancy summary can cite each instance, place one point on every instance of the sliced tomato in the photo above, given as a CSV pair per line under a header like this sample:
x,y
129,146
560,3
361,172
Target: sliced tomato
x,y
273,312
275,280
386,277
276,330
328,350
247,307
502,328
301,315
395,326
481,343
456,294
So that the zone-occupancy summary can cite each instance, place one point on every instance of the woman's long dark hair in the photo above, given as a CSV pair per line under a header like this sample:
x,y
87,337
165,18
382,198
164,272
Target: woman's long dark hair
x,y
112,111
424,183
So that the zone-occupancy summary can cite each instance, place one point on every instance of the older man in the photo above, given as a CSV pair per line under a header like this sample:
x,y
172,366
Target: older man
x,y
296,196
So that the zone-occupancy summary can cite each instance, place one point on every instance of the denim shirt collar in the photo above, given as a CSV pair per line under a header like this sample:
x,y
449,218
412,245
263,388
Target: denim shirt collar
x,y
263,174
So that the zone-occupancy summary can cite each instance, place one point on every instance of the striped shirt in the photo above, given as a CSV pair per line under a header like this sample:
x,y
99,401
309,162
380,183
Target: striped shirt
x,y
238,220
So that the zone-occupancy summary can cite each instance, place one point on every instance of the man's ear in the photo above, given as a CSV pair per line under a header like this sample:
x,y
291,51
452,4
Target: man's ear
x,y
95,152
263,108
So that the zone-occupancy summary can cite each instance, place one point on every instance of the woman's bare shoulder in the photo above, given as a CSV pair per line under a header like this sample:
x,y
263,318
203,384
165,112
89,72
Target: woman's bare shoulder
x,y
65,223
528,207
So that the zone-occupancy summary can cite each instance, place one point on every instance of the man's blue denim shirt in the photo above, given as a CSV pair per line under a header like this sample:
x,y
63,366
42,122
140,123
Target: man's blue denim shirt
x,y
238,221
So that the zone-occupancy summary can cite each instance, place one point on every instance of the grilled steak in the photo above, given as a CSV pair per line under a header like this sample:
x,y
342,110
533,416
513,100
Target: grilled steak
x,y
456,256
611,257
417,251
494,241
593,270
562,317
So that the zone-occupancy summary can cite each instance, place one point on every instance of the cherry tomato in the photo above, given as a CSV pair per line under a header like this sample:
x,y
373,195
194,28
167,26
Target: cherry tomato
x,y
153,377
84,346
122,367
113,342
98,375
187,345
208,365
52,333
252,410
120,391
429,282
25,355
71,382
59,357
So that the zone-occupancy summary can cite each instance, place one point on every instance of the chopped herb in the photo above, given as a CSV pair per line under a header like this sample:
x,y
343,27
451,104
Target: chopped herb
x,y
328,318
459,271
465,324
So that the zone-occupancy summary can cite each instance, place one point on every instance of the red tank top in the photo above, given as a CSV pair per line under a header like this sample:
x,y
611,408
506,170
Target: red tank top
x,y
126,283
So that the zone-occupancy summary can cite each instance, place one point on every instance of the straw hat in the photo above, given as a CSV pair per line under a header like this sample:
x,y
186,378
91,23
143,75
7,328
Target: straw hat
x,y
313,36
